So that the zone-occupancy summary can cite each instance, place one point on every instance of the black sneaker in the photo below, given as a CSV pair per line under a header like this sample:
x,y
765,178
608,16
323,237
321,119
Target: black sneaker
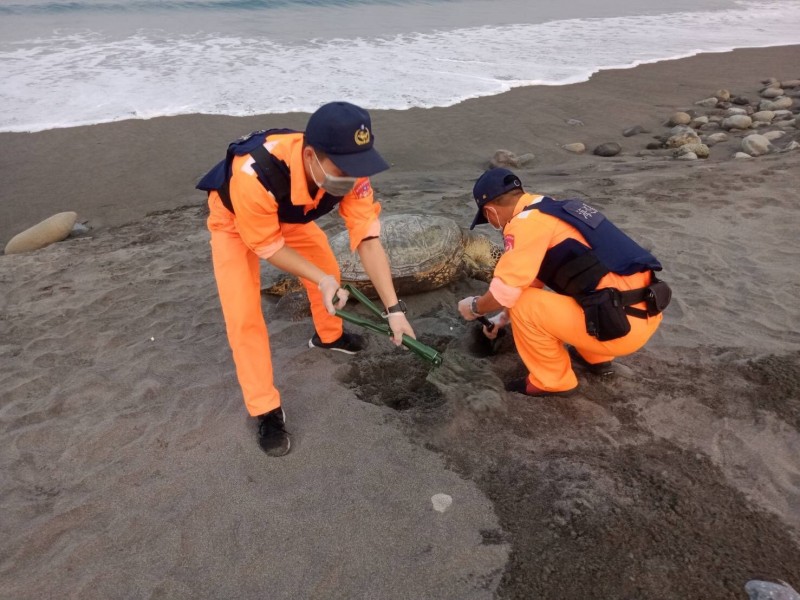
x,y
349,343
272,435
602,369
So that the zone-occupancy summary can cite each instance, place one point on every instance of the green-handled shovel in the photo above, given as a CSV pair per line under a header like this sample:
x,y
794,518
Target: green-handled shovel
x,y
418,348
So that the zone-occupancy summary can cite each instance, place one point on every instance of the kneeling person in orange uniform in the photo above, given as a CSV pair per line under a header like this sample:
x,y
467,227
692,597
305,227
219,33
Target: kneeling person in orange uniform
x,y
603,298
264,198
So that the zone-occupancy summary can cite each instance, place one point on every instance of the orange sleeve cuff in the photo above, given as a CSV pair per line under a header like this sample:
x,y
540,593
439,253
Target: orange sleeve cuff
x,y
504,293
267,251
365,229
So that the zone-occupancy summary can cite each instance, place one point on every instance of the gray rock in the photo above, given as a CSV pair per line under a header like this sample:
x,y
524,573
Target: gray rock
x,y
716,138
767,590
574,122
777,104
792,83
735,110
707,102
741,100
722,95
739,155
792,146
79,229
635,130
654,146
698,122
764,116
780,115
576,148
757,145
687,156
771,92
526,159
680,129
737,122
608,149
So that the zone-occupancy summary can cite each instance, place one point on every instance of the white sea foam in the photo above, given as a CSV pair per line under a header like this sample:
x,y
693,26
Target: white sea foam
x,y
84,77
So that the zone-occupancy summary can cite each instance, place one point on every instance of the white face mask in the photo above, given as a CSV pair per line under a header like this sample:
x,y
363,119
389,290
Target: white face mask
x,y
335,186
496,216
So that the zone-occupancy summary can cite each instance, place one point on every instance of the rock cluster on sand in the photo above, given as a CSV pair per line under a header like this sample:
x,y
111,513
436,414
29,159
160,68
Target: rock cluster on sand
x,y
738,116
734,123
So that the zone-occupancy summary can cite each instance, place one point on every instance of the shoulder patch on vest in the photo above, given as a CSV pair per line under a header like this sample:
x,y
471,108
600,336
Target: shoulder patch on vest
x,y
588,214
363,189
508,242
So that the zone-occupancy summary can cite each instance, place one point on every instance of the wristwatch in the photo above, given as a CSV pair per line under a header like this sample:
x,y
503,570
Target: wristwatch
x,y
400,307
474,306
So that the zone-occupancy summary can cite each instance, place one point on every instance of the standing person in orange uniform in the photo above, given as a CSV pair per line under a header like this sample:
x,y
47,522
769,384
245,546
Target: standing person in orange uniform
x,y
603,299
264,198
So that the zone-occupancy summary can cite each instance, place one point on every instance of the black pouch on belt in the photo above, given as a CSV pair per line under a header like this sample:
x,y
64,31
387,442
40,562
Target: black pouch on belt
x,y
658,297
605,315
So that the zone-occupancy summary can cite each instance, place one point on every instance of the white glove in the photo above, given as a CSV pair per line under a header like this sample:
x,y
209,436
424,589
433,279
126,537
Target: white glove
x,y
399,325
465,308
499,321
330,289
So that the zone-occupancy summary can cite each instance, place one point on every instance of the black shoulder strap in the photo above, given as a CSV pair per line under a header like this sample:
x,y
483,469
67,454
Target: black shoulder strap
x,y
271,172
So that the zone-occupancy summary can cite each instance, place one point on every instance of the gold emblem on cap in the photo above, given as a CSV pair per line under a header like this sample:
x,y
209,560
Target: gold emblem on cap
x,y
362,136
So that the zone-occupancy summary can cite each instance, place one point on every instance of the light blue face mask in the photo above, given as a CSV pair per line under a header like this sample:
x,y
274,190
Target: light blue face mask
x,y
334,185
496,216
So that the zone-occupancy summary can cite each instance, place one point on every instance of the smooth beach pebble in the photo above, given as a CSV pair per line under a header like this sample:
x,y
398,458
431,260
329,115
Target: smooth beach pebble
x,y
51,230
441,502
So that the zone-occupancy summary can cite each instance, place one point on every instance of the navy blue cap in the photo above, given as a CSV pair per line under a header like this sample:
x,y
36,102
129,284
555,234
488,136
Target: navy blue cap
x,y
343,131
490,185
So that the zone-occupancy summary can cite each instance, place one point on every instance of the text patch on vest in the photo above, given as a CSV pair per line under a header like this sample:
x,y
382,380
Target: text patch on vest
x,y
588,214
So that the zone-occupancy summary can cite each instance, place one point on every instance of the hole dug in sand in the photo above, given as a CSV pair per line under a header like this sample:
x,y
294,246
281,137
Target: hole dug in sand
x,y
394,378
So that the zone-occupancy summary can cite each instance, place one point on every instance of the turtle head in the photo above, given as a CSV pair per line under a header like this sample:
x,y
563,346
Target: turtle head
x,y
480,255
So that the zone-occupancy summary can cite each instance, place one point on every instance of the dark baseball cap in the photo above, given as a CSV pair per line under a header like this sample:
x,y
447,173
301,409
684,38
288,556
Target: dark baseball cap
x,y
343,131
493,183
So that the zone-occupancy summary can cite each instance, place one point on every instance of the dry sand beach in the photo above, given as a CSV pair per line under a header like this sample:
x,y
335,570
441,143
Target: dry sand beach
x,y
130,470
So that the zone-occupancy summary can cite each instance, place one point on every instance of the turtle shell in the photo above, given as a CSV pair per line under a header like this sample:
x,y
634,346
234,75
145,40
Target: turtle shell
x,y
425,253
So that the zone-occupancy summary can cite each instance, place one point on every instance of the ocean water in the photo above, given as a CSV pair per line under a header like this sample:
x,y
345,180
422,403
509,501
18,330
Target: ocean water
x,y
75,62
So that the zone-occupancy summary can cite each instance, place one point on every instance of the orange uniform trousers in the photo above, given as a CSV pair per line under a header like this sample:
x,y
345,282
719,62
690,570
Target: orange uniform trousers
x,y
543,321
238,275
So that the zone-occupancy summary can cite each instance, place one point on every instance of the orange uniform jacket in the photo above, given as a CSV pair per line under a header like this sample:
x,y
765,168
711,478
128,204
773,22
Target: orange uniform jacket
x,y
543,320
254,231
257,209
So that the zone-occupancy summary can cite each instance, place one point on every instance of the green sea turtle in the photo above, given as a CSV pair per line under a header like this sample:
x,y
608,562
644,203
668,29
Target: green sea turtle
x,y
425,252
